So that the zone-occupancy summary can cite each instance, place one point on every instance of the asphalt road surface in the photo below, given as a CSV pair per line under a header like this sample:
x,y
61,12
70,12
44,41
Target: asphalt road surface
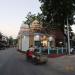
x,y
14,63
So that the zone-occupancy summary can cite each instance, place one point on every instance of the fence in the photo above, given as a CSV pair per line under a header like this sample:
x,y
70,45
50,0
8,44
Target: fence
x,y
53,50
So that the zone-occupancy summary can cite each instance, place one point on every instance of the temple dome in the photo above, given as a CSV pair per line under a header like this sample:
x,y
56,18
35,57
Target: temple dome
x,y
24,28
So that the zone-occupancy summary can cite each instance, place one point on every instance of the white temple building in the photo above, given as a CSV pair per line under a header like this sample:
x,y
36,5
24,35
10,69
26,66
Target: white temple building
x,y
33,35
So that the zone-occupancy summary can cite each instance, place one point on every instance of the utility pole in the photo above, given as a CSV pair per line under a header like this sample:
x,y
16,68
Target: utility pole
x,y
68,35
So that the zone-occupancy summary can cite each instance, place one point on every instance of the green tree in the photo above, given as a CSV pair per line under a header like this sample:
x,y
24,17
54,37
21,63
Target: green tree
x,y
15,42
11,40
31,17
56,13
1,36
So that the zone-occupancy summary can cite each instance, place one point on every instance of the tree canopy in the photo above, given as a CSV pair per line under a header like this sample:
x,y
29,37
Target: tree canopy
x,y
56,12
31,17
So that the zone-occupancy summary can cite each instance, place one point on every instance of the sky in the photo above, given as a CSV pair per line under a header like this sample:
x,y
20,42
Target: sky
x,y
13,13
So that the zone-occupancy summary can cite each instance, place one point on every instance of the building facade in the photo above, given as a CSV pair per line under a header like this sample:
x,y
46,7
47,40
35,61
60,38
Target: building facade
x,y
34,35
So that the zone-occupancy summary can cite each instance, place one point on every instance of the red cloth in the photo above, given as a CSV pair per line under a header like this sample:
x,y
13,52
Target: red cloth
x,y
30,53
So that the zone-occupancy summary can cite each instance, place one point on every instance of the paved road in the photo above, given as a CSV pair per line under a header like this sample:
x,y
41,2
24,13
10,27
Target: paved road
x,y
14,63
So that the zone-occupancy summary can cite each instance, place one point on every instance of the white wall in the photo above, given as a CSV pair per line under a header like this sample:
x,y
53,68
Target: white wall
x,y
25,43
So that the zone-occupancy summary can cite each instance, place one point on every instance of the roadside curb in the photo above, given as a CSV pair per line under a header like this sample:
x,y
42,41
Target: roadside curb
x,y
55,55
49,55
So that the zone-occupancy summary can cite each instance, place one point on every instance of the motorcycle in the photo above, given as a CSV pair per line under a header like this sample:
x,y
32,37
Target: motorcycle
x,y
38,58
